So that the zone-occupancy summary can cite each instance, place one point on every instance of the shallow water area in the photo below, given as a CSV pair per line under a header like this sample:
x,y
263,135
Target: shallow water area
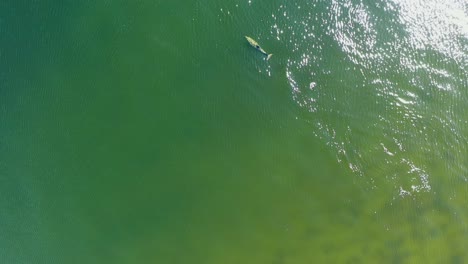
x,y
150,131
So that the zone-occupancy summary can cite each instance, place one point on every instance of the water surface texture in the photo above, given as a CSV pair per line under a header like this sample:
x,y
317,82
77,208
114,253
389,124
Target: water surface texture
x,y
151,132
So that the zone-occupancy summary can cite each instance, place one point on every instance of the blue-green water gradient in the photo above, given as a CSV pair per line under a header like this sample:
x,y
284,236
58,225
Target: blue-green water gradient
x,y
151,132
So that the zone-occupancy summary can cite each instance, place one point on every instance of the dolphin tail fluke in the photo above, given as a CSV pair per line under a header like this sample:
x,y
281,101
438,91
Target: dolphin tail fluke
x,y
269,56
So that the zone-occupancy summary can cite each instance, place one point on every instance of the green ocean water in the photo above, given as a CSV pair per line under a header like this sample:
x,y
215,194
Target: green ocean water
x,y
151,132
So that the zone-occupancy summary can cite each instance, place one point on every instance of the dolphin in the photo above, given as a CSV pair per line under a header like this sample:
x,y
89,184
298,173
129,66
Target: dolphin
x,y
254,44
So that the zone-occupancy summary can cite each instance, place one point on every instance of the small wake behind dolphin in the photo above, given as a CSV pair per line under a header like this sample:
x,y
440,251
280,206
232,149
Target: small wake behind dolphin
x,y
254,44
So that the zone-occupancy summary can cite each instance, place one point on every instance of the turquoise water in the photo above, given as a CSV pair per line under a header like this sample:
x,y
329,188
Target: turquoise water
x,y
150,132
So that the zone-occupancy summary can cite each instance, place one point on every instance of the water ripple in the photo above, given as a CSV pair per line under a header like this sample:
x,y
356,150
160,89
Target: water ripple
x,y
387,96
